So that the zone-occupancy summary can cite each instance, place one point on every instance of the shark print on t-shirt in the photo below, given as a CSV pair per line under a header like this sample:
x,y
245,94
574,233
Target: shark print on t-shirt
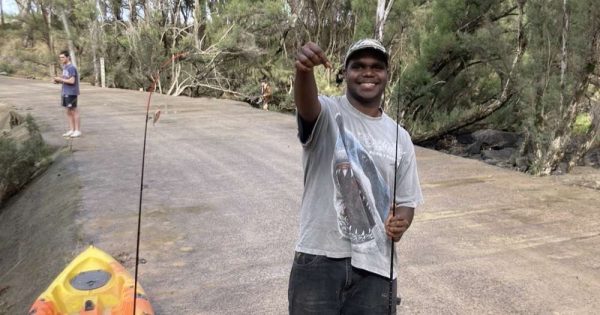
x,y
362,198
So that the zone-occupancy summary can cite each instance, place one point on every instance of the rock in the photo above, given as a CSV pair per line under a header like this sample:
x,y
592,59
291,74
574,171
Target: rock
x,y
254,101
19,137
496,139
446,143
522,163
473,148
489,139
561,169
465,138
592,158
500,157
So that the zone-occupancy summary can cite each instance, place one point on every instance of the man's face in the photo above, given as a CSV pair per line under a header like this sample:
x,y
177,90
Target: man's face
x,y
366,78
63,59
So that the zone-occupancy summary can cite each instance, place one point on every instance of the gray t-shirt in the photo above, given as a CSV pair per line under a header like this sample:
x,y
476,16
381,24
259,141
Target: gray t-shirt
x,y
68,72
348,179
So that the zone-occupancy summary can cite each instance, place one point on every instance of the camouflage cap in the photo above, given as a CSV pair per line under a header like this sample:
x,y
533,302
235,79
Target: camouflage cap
x,y
367,43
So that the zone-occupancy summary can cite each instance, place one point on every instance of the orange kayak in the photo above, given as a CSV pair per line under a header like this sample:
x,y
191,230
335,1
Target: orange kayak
x,y
94,283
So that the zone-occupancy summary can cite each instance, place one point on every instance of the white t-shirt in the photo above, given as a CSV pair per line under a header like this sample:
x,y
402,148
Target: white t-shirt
x,y
348,179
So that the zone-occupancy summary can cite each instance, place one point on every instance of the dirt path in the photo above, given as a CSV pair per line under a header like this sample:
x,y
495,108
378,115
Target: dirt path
x,y
220,211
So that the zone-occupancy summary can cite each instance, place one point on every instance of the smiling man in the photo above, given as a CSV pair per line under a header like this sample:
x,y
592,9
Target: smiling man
x,y
342,260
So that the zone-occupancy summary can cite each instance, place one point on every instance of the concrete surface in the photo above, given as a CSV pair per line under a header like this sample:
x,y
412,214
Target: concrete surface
x,y
223,185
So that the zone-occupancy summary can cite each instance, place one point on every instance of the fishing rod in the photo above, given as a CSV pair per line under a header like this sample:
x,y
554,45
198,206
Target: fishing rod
x,y
154,79
391,297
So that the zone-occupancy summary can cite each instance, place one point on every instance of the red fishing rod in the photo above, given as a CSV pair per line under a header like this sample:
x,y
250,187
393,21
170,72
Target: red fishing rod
x,y
154,78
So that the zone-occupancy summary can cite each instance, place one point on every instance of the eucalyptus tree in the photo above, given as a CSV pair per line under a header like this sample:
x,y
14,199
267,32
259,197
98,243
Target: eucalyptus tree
x,y
464,57
524,65
558,83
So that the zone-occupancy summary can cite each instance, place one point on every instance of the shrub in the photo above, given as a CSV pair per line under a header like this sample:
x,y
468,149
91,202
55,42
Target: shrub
x,y
19,161
582,124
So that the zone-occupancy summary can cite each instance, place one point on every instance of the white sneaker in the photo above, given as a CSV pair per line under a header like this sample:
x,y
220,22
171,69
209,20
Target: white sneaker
x,y
76,134
68,133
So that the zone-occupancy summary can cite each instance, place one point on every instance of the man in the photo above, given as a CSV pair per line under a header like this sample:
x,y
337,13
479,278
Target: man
x,y
266,94
342,260
70,90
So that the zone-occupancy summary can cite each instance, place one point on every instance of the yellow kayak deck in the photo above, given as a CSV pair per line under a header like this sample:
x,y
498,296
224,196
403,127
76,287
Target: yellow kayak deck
x,y
94,283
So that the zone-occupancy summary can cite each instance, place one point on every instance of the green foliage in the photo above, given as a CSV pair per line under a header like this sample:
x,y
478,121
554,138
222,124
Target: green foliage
x,y
583,123
365,22
449,59
8,154
325,79
458,63
6,67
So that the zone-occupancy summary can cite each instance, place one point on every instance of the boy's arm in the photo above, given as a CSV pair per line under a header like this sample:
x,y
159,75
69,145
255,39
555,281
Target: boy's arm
x,y
70,80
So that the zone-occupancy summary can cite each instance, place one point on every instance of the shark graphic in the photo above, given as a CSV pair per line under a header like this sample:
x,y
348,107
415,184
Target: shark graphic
x,y
362,197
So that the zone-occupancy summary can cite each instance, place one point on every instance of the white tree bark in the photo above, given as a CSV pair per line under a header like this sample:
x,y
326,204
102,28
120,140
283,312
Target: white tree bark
x,y
383,9
94,36
95,32
563,56
63,17
197,22
562,137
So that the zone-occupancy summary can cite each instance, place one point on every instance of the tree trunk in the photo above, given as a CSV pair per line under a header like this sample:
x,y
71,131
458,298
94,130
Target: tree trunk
x,y
132,11
24,12
63,17
589,138
103,9
116,9
563,55
1,13
47,16
556,151
197,23
382,12
176,15
95,61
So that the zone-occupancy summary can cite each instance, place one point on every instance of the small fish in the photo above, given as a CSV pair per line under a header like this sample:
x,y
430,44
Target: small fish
x,y
156,116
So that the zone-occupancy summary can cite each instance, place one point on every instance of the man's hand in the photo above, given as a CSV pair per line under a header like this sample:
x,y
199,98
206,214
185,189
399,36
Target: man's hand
x,y
305,86
310,56
57,80
395,226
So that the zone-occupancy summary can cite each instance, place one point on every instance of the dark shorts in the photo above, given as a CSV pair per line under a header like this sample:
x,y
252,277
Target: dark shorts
x,y
69,101
323,285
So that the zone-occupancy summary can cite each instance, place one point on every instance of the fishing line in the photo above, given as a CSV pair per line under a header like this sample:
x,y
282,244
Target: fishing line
x,y
154,79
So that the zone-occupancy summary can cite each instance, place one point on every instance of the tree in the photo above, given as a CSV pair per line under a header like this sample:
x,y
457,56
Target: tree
x,y
528,66
383,10
566,51
2,12
466,55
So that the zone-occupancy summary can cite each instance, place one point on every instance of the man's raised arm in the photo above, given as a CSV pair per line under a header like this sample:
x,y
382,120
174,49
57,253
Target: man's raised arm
x,y
305,86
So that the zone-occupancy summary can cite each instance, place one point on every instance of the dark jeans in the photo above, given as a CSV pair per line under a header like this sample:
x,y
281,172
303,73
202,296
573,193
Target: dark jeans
x,y
322,285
